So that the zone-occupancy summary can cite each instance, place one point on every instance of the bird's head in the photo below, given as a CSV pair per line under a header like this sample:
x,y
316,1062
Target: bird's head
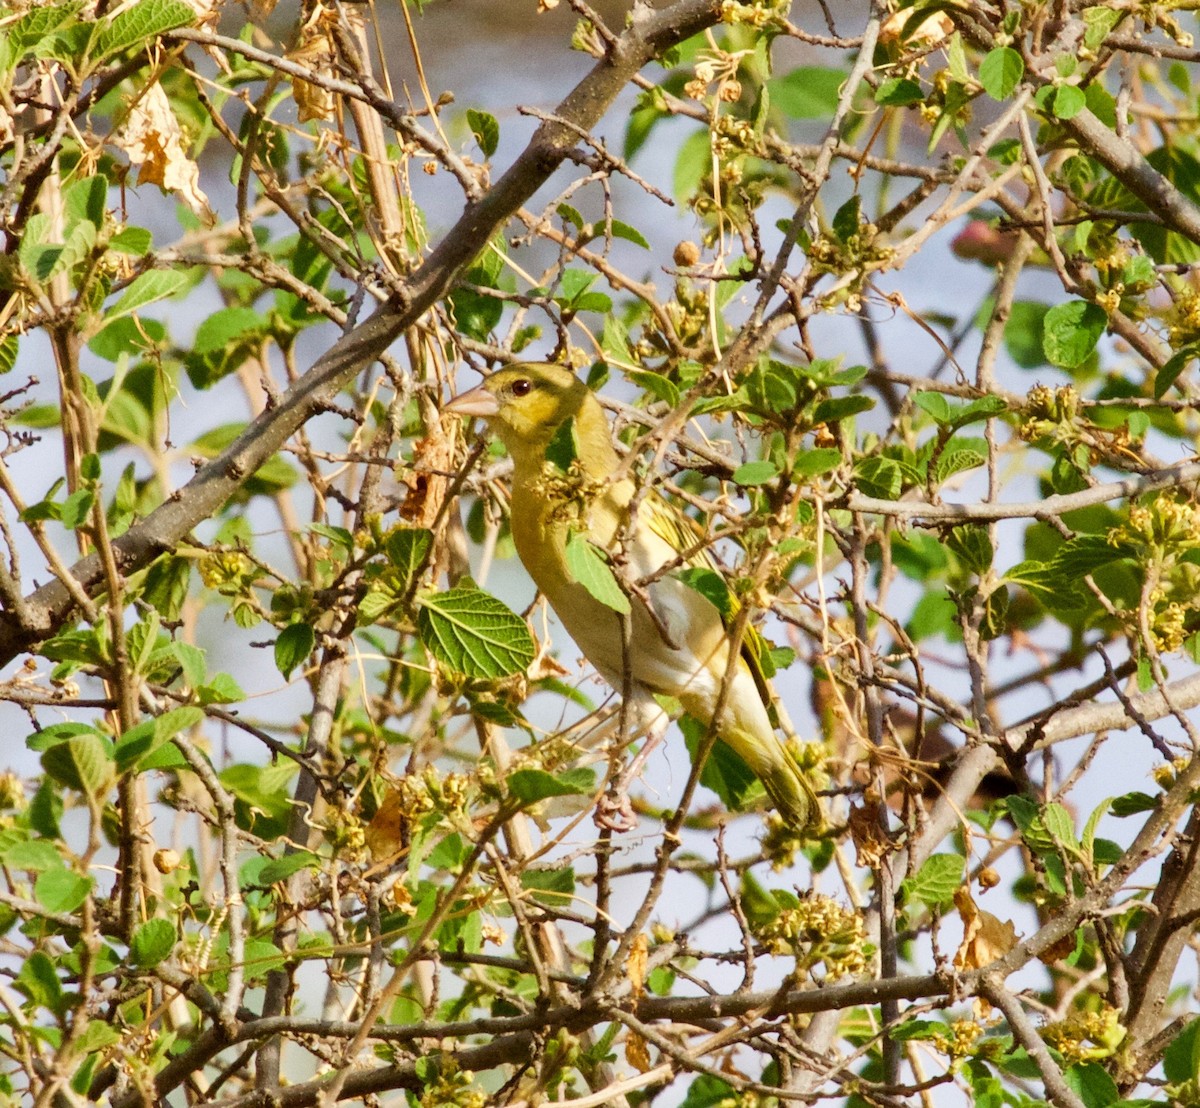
x,y
526,404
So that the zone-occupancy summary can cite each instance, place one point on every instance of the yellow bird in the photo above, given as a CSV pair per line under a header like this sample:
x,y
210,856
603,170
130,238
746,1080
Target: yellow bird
x,y
678,640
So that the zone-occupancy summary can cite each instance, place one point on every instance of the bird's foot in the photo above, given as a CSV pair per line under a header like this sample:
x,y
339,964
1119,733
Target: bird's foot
x,y
614,812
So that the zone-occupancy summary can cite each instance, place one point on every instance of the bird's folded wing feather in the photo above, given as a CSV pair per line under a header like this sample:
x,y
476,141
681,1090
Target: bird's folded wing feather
x,y
682,533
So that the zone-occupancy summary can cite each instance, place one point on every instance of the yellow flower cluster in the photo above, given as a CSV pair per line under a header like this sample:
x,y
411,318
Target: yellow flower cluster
x,y
820,931
958,1040
1085,1036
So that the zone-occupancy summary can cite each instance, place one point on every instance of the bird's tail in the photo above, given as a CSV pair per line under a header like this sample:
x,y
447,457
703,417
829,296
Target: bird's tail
x,y
779,768
789,790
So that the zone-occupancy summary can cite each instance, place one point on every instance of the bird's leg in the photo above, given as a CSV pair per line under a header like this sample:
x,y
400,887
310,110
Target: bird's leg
x,y
614,810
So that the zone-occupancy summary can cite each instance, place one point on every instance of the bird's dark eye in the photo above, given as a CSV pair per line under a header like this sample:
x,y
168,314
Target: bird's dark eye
x,y
521,386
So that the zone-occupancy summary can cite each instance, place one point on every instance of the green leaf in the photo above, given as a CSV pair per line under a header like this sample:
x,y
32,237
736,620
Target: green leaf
x,y
166,585
152,943
143,21
953,461
407,549
1181,1062
146,289
38,980
1000,72
143,739
225,327
712,586
83,762
9,346
707,1091
899,92
587,564
755,473
485,129
846,219
935,882
1092,1084
280,869
841,407
1132,804
31,855
563,448
879,477
629,234
1072,331
724,772
1060,825
552,887
1069,101
132,240
810,92
61,890
813,463
1024,333
1098,22
973,547
531,785
472,633
292,648
936,405
1172,369
76,508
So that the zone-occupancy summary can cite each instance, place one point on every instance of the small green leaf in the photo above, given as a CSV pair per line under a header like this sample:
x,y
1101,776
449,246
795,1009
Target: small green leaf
x,y
712,586
1132,804
472,633
1181,1063
812,463
879,477
146,289
553,887
225,327
76,508
61,890
810,92
143,21
629,234
83,762
936,405
755,473
935,882
294,645
899,92
531,785
1092,1084
407,549
1098,21
152,943
1172,369
846,219
143,739
280,869
1060,825
563,449
1000,72
1069,101
485,129
588,565
1072,331
970,542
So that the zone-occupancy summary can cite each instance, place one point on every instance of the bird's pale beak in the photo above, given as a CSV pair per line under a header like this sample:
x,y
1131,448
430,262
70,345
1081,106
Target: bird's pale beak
x,y
477,402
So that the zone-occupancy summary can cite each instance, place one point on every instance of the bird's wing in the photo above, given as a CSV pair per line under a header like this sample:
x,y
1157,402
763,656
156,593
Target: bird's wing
x,y
682,533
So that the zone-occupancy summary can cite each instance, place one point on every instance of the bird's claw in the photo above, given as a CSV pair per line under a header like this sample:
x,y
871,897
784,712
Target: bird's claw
x,y
615,813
